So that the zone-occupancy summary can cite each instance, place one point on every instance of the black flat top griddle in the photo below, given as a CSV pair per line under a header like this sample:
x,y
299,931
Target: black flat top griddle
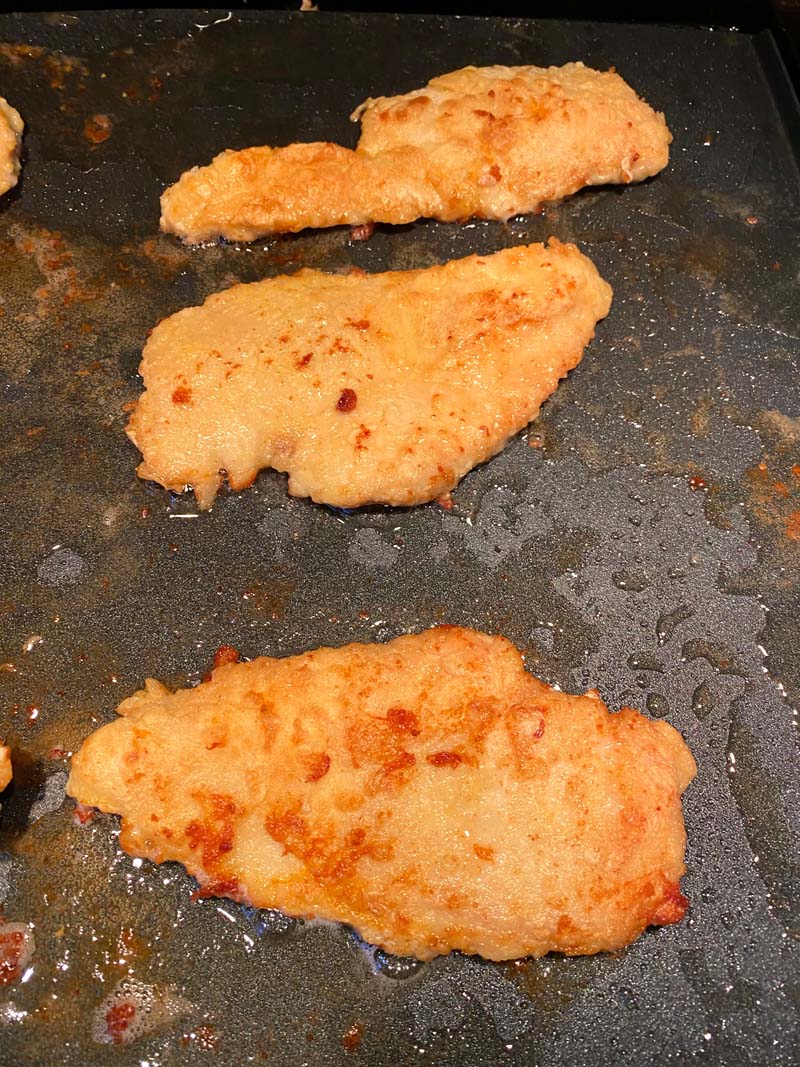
x,y
643,537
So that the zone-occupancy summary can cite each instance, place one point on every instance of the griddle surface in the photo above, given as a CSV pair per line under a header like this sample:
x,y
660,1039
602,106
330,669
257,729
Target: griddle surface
x,y
642,537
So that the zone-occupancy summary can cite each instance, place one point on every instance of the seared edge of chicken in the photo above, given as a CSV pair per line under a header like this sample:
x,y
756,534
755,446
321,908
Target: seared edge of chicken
x,y
365,389
6,770
490,142
428,791
11,127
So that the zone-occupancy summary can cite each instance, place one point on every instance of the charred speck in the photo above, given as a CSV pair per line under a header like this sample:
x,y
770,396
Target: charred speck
x,y
347,400
444,759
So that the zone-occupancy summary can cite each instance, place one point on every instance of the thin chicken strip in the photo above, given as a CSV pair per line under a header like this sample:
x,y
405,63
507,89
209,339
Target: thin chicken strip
x,y
366,389
427,791
485,141
11,127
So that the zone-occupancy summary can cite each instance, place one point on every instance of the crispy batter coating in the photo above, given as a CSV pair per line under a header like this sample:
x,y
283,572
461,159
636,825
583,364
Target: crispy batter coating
x,y
6,771
428,791
485,141
383,388
11,127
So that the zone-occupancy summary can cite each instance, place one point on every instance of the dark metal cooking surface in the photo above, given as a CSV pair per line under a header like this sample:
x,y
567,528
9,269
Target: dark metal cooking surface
x,y
643,537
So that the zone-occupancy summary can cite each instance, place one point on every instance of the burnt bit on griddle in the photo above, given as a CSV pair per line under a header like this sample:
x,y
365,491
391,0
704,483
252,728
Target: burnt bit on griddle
x,y
352,1037
56,66
97,129
362,232
226,654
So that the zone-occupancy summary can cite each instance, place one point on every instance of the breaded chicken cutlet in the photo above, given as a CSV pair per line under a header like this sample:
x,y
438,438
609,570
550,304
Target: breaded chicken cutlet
x,y
365,389
6,771
427,791
490,142
11,127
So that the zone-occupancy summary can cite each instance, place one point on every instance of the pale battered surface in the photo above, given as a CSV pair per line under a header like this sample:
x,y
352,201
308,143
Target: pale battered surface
x,y
427,791
6,772
383,388
11,127
487,141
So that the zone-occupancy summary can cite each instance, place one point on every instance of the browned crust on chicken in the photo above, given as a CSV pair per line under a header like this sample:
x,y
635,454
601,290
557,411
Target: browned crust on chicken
x,y
486,141
11,127
365,389
428,791
6,771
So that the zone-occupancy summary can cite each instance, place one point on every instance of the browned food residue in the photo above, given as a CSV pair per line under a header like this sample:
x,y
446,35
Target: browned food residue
x,y
57,66
63,284
118,1019
16,949
98,129
352,1037
225,654
362,232
83,814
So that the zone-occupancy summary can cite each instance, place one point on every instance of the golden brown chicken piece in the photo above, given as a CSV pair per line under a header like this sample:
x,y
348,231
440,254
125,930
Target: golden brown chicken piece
x,y
6,772
427,791
485,141
383,388
11,127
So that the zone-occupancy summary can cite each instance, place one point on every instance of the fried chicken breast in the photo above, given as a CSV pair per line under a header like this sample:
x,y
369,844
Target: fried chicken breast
x,y
427,791
383,388
6,772
11,127
487,141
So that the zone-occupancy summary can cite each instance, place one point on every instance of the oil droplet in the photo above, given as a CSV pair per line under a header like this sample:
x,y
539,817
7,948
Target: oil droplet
x,y
657,705
626,998
702,701
668,624
633,581
397,967
717,655
643,661
269,920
